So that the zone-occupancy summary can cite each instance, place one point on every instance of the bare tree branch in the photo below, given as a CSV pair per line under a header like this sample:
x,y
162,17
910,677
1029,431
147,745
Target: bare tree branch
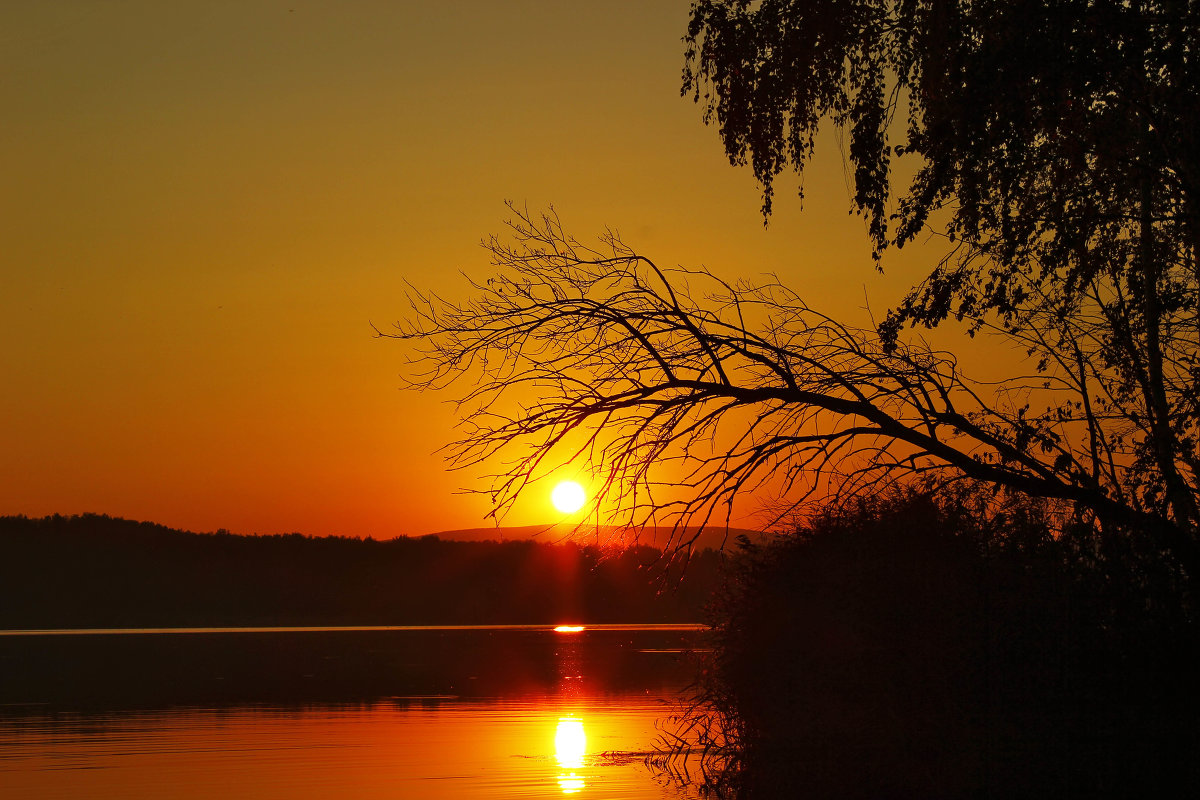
x,y
682,393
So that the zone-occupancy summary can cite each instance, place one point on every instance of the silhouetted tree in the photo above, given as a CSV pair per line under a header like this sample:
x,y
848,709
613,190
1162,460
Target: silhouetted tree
x,y
1055,146
682,391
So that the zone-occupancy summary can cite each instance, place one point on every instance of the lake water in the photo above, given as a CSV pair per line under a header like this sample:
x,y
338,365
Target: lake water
x,y
339,713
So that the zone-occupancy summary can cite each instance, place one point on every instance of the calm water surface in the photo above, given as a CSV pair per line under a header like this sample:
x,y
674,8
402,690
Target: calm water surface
x,y
324,713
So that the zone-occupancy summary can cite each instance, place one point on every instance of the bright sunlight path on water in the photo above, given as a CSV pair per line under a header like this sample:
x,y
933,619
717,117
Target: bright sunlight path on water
x,y
351,714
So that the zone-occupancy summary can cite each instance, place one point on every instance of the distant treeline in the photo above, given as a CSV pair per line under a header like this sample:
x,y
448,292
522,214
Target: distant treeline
x,y
98,571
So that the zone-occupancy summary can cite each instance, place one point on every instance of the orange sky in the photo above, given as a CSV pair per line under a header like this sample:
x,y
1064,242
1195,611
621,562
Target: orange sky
x,y
207,204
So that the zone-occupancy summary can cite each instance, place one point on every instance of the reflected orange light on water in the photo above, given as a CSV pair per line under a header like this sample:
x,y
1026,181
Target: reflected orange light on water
x,y
570,746
433,749
570,784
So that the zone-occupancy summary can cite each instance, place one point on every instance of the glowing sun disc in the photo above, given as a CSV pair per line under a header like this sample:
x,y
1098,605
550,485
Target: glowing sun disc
x,y
568,497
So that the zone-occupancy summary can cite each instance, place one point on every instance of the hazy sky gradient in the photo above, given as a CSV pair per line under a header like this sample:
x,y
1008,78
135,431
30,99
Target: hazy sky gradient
x,y
206,205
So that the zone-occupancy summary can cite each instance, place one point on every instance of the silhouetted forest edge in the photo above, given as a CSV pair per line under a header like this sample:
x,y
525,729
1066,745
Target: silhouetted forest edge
x,y
95,571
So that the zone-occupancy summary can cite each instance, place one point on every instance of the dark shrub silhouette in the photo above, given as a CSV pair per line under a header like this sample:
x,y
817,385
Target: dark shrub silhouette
x,y
902,647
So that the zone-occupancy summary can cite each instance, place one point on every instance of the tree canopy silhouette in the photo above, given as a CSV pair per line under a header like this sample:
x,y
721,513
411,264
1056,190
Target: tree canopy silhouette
x,y
1037,127
1053,145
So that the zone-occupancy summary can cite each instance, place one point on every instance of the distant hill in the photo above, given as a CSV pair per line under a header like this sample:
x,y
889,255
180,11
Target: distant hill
x,y
658,536
95,571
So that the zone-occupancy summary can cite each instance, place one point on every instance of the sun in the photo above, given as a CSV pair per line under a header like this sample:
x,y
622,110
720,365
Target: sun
x,y
568,497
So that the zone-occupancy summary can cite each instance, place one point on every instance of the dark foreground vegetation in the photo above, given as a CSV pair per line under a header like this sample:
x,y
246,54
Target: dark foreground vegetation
x,y
98,572
917,647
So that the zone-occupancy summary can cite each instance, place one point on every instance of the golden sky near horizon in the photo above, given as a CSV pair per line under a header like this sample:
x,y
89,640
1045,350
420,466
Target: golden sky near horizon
x,y
207,205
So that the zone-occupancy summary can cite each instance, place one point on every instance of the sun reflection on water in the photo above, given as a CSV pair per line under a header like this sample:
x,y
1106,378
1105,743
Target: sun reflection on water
x,y
570,743
570,784
570,746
